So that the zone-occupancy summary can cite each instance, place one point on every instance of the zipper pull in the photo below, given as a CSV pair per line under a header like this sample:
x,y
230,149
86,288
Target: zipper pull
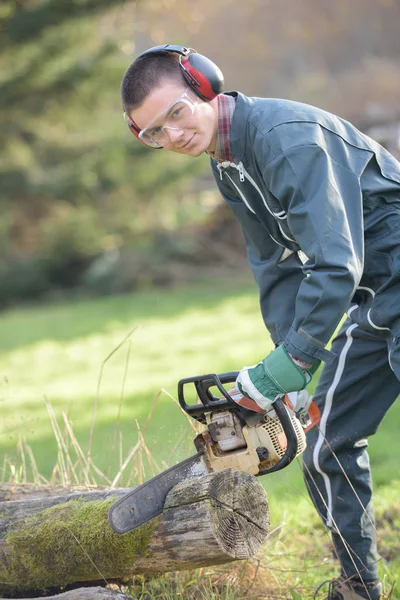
x,y
219,167
240,168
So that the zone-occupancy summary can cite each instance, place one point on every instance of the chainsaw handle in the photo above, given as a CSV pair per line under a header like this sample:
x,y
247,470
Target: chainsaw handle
x,y
209,402
291,437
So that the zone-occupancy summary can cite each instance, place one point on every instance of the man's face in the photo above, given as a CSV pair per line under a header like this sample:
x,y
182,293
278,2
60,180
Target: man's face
x,y
194,136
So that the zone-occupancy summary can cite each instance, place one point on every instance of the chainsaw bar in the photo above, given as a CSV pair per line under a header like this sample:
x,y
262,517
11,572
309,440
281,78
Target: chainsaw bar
x,y
146,501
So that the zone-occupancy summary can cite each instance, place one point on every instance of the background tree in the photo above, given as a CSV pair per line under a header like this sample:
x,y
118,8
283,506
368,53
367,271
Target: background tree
x,y
85,206
73,185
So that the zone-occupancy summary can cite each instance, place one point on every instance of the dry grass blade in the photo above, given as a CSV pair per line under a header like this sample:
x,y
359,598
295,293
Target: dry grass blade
x,y
68,469
348,480
121,398
99,473
132,478
79,452
389,595
53,477
150,460
151,411
65,480
3,469
89,557
140,467
193,424
96,401
21,451
38,479
10,470
353,556
131,454
120,451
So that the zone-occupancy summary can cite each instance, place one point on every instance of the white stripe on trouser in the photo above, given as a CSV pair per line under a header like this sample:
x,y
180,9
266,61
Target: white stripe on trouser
x,y
324,419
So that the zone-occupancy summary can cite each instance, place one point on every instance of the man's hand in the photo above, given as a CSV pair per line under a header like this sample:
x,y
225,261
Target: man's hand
x,y
273,377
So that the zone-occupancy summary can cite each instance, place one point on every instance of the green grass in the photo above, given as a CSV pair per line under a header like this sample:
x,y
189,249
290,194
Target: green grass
x,y
103,362
59,353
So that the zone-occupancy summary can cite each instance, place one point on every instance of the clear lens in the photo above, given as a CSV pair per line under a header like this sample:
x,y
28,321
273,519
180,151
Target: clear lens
x,y
176,116
149,141
179,115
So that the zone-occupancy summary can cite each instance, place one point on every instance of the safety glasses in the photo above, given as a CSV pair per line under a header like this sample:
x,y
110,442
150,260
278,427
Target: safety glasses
x,y
176,116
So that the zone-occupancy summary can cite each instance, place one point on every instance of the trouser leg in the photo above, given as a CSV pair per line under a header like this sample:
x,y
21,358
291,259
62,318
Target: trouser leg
x,y
353,394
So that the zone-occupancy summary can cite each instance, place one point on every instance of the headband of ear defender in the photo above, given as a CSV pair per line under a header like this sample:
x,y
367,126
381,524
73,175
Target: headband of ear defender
x,y
200,73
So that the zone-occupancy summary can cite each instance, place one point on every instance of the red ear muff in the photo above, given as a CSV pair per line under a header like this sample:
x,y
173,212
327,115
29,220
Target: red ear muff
x,y
202,75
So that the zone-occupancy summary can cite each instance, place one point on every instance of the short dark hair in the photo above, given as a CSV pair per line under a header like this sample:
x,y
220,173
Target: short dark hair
x,y
145,74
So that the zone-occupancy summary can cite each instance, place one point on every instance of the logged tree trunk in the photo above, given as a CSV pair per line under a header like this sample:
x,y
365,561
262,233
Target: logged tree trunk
x,y
92,593
47,543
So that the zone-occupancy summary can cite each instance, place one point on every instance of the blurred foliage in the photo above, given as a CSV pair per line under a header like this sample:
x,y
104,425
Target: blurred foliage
x,y
83,205
73,182
342,55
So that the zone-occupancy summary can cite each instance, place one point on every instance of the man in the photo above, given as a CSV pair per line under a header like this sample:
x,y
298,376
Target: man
x,y
319,205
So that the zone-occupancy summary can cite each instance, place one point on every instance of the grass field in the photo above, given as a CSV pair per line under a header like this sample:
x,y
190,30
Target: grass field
x,y
104,366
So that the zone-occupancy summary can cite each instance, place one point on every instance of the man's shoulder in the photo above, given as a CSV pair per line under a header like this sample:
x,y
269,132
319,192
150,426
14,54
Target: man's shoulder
x,y
280,111
288,123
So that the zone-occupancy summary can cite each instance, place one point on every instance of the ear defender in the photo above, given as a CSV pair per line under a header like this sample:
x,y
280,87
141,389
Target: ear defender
x,y
200,73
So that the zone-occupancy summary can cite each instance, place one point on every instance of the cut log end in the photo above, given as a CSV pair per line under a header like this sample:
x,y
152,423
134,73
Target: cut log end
x,y
241,514
224,516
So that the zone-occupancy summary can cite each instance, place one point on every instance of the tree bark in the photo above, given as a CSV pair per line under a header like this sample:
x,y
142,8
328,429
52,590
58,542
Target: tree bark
x,y
19,491
53,541
88,593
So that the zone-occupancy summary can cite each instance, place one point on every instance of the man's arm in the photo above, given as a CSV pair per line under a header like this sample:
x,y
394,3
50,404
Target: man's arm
x,y
318,186
279,275
278,272
320,191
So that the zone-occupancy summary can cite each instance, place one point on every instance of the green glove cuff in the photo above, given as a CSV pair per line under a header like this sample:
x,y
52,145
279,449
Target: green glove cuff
x,y
281,369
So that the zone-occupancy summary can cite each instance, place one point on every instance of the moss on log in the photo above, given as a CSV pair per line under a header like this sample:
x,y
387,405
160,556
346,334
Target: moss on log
x,y
71,542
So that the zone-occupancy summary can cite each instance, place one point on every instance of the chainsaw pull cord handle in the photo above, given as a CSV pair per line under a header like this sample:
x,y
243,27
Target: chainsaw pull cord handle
x,y
291,437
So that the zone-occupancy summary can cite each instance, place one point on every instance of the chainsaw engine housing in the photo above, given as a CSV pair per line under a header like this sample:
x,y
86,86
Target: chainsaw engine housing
x,y
227,443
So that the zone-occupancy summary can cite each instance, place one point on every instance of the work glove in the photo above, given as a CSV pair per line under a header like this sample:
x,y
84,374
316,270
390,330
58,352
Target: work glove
x,y
273,377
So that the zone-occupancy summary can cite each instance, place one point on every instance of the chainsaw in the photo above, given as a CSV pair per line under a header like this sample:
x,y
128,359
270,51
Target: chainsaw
x,y
234,437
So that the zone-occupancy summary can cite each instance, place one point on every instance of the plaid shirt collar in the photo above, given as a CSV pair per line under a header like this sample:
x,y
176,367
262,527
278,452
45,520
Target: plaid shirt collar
x,y
226,107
